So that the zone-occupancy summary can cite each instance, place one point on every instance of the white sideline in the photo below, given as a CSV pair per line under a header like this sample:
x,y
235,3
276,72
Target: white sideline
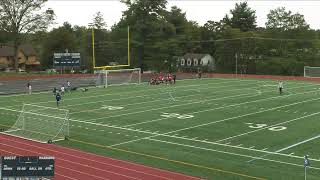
x,y
234,154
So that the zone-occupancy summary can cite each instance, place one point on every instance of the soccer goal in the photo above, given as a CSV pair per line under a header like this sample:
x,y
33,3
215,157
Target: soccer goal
x,y
41,124
311,71
107,78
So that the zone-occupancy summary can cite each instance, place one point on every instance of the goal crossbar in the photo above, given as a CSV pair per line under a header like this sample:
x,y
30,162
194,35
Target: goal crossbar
x,y
113,77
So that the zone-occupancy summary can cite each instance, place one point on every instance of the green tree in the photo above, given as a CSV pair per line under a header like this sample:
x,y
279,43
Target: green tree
x,y
243,17
58,40
99,22
145,18
280,19
20,17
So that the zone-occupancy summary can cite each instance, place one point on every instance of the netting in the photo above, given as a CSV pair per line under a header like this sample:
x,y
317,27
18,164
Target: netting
x,y
311,71
42,124
117,77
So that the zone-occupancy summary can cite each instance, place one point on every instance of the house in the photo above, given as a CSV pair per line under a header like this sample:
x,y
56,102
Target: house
x,y
192,62
26,56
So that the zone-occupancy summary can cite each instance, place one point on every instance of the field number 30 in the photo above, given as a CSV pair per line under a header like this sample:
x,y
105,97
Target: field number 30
x,y
274,128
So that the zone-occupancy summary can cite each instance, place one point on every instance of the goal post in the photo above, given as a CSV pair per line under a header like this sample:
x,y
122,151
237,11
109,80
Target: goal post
x,y
103,46
311,72
41,124
107,78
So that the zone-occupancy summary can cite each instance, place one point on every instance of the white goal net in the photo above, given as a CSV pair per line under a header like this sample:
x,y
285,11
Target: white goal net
x,y
117,77
311,71
41,124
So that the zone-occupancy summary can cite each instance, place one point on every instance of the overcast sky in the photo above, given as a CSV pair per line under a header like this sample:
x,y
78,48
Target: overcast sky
x,y
80,12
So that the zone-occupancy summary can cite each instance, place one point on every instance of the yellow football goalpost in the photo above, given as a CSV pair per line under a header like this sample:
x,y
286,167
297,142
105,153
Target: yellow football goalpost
x,y
107,67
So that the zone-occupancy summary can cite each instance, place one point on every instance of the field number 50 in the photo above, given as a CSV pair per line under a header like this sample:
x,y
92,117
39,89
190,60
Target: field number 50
x,y
258,126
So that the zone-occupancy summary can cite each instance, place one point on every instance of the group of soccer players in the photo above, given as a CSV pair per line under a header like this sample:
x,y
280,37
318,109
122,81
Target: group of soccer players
x,y
161,78
58,93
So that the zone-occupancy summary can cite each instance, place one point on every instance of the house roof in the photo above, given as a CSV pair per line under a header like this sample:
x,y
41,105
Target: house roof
x,y
194,56
7,50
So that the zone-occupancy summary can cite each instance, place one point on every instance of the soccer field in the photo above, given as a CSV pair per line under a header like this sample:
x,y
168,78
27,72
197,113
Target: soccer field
x,y
215,128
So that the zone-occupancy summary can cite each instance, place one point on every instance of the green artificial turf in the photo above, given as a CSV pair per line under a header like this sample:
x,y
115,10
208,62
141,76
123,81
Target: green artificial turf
x,y
211,128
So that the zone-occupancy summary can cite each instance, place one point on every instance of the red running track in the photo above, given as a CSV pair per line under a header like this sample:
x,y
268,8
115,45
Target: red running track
x,y
71,164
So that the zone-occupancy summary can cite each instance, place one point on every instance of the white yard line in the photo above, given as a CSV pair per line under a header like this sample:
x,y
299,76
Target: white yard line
x,y
150,121
219,121
159,99
291,146
132,97
260,129
170,107
138,91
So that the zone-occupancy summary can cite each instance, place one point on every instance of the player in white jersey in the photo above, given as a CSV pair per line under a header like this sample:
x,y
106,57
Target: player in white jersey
x,y
62,90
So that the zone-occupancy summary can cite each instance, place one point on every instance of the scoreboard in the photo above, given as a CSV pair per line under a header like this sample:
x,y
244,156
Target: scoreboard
x,y
66,59
26,167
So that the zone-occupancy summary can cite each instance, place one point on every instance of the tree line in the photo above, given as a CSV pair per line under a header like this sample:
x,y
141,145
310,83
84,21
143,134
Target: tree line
x,y
159,36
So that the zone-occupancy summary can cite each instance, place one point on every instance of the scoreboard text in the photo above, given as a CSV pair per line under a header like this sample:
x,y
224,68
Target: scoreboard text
x,y
27,166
